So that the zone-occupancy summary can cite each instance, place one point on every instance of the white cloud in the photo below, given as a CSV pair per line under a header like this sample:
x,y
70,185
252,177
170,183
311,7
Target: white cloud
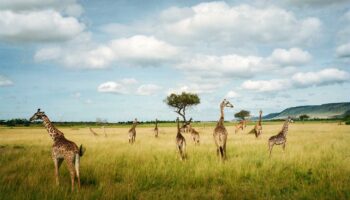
x,y
207,73
112,87
128,86
343,50
299,80
194,88
148,89
69,7
244,66
143,49
220,22
232,94
4,81
323,77
291,57
266,85
228,65
38,26
74,10
136,50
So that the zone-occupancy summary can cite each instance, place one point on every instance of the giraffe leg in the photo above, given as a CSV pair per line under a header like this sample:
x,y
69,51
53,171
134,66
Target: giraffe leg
x,y
224,150
184,150
284,147
57,162
71,168
77,165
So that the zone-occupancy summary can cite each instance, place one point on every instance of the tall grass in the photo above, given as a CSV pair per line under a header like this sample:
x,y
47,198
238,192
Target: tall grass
x,y
316,165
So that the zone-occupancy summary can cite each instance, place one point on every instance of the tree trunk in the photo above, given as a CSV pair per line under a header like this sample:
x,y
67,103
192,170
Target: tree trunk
x,y
181,114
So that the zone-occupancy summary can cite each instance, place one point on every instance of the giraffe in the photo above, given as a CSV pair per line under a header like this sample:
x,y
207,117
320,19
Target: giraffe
x,y
93,132
62,149
104,131
156,129
132,132
220,132
185,128
281,137
240,125
257,130
180,141
195,135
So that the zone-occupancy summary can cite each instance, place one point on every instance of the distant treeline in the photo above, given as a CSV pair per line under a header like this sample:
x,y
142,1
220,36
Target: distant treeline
x,y
26,122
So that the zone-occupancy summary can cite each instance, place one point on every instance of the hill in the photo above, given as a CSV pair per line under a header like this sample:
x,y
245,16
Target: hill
x,y
324,111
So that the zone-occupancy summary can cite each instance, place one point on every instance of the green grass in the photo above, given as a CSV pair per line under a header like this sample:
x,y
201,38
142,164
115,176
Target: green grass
x,y
316,165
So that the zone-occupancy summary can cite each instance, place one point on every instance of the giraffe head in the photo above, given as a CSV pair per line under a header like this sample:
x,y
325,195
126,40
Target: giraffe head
x,y
290,120
37,115
226,103
260,112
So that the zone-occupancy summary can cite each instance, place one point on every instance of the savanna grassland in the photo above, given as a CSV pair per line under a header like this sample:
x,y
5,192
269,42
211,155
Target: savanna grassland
x,y
316,164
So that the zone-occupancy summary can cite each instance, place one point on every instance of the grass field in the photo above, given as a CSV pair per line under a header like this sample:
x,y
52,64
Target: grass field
x,y
316,165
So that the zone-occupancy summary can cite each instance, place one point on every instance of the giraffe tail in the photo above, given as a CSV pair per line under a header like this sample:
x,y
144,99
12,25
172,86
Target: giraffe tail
x,y
81,150
221,151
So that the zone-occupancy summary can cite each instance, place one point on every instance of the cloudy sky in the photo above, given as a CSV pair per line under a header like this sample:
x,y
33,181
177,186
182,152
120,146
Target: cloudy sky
x,y
116,60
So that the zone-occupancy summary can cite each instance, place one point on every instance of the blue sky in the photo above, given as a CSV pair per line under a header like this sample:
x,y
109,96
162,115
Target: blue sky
x,y
117,60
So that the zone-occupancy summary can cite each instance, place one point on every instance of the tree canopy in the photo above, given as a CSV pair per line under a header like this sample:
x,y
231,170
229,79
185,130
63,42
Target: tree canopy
x,y
242,114
304,117
180,102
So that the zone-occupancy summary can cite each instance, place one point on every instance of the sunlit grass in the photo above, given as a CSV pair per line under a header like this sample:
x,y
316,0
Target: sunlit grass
x,y
316,165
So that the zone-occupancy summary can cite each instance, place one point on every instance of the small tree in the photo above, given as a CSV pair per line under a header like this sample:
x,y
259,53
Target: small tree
x,y
242,114
304,117
181,102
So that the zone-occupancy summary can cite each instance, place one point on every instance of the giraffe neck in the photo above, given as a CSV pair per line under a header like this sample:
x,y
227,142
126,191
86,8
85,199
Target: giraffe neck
x,y
134,125
285,128
156,124
259,123
222,117
51,129
178,127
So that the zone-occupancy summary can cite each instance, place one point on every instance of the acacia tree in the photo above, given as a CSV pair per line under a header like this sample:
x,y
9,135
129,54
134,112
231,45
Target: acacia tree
x,y
180,102
242,114
304,117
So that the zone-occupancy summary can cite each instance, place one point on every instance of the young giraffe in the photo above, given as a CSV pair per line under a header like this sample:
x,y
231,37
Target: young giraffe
x,y
185,128
104,131
195,135
62,149
132,132
281,137
180,141
258,128
93,132
220,132
240,125
156,129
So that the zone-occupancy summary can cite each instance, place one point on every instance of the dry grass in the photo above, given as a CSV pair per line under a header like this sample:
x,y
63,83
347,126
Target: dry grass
x,y
316,165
